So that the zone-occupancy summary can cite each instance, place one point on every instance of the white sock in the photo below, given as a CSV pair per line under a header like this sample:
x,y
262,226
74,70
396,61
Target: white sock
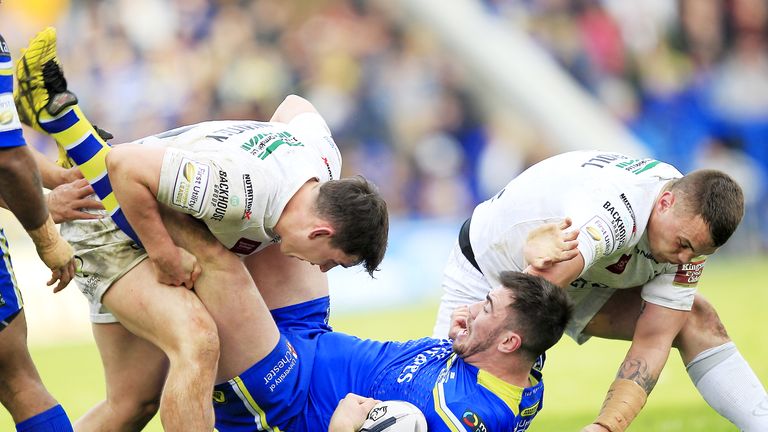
x,y
729,385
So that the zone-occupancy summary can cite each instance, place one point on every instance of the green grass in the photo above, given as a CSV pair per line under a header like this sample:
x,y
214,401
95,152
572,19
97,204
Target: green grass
x,y
576,377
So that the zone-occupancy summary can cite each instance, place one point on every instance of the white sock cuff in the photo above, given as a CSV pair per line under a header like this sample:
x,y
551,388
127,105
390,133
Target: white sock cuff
x,y
709,358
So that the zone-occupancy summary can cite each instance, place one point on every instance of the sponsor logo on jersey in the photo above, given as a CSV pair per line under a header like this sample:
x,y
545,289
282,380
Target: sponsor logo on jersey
x,y
377,413
625,200
218,396
248,188
473,421
9,120
531,410
222,134
619,266
191,184
636,166
593,232
408,372
6,116
583,283
245,246
220,198
4,47
599,236
281,369
688,275
602,160
645,254
617,223
327,167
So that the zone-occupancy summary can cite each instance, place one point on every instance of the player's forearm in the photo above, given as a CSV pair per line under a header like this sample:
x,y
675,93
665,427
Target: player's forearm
x,y
143,213
20,187
562,273
51,174
655,330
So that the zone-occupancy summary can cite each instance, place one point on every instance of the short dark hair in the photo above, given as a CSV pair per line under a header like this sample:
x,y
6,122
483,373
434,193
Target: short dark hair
x,y
714,196
539,311
358,213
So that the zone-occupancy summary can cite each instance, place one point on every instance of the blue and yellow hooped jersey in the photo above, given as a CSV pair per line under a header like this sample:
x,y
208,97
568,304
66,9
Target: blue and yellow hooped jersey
x,y
10,126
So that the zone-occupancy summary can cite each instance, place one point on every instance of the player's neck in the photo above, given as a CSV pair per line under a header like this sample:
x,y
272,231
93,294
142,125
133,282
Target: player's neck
x,y
509,370
298,212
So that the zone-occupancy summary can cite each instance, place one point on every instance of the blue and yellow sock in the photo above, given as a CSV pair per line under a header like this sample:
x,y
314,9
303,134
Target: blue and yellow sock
x,y
85,149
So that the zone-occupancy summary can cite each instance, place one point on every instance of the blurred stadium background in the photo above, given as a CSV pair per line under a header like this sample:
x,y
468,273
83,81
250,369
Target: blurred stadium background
x,y
440,103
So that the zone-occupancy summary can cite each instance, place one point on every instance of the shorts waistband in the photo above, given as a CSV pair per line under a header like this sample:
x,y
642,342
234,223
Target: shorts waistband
x,y
465,246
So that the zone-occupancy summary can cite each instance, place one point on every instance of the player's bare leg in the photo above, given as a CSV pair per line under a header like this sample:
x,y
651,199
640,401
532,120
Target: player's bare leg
x,y
720,373
135,372
296,281
21,390
228,293
173,319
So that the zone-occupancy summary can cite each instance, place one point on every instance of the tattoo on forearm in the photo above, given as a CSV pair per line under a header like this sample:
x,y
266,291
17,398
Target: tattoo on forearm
x,y
636,369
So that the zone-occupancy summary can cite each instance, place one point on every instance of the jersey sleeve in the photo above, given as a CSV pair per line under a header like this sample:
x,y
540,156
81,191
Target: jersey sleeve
x,y
606,222
311,129
10,126
675,288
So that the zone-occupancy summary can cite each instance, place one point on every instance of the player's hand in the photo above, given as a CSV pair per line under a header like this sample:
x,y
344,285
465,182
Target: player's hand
x,y
63,275
459,318
594,427
550,244
350,413
177,267
65,202
71,174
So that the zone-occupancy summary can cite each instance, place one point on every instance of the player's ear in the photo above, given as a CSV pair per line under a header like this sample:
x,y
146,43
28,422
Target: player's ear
x,y
321,231
510,342
665,201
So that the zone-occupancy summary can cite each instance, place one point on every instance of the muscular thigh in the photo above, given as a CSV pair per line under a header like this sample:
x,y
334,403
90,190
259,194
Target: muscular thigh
x,y
283,280
617,318
134,368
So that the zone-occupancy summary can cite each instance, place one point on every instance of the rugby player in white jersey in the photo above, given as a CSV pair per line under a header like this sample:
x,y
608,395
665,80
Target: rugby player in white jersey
x,y
156,338
644,232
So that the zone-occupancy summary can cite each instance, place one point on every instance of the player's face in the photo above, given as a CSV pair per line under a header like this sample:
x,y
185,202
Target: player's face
x,y
485,323
319,252
676,236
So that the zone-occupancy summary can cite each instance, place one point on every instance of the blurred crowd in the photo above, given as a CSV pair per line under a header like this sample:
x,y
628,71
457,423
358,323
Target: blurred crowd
x,y
689,78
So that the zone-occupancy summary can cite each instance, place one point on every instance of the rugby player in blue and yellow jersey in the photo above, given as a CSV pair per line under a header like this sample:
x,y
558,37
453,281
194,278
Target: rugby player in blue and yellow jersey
x,y
21,391
486,378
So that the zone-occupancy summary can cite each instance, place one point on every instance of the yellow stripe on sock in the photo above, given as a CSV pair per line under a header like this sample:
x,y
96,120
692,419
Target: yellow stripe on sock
x,y
110,202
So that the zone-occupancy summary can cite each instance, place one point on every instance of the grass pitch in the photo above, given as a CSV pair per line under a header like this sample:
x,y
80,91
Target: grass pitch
x,y
576,376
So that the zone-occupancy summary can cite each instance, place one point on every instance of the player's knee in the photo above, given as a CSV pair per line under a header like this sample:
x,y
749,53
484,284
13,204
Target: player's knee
x,y
132,413
200,343
703,324
116,157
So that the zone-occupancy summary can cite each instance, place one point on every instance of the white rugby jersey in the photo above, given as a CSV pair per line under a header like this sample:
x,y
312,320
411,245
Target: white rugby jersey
x,y
609,196
237,176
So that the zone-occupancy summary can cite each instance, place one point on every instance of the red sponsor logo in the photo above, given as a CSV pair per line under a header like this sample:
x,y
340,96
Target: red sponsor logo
x,y
619,266
688,275
245,246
